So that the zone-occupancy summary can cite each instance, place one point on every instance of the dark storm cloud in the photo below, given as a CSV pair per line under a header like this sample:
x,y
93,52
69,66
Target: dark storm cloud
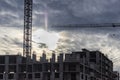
x,y
84,11
68,11
11,12
62,12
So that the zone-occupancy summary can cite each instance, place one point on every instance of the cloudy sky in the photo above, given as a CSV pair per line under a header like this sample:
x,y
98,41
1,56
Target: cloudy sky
x,y
62,12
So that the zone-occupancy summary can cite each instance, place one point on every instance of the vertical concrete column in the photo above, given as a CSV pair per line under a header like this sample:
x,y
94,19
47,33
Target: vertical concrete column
x,y
77,76
6,67
78,57
69,76
17,66
80,76
15,75
84,67
41,76
88,57
52,76
4,76
67,67
43,60
34,56
78,67
52,67
97,58
78,70
61,66
101,65
33,77
42,73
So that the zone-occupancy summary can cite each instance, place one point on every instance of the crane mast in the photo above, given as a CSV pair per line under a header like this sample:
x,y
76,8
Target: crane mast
x,y
27,43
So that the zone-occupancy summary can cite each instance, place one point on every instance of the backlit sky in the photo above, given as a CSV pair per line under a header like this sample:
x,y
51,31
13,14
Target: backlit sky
x,y
62,12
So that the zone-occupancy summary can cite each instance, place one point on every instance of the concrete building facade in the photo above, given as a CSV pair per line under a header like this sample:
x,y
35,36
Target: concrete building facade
x,y
81,65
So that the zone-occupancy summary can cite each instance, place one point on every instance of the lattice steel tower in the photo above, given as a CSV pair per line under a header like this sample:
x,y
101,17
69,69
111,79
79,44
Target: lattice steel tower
x,y
27,43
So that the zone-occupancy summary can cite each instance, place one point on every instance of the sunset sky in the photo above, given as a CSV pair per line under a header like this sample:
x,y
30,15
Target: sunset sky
x,y
62,12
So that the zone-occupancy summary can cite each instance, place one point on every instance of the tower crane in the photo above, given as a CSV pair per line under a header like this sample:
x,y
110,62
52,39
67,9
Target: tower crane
x,y
27,39
27,43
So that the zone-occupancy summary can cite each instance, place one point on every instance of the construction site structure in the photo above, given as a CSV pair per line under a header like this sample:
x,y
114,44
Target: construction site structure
x,y
27,39
84,65
83,26
80,65
27,43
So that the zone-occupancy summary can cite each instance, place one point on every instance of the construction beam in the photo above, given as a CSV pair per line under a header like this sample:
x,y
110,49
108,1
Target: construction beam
x,y
79,26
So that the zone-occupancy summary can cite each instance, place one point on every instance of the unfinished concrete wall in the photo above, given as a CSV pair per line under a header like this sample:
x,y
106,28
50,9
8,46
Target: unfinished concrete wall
x,y
85,65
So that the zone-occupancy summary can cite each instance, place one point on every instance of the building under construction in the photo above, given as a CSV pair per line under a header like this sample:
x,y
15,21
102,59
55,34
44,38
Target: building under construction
x,y
82,65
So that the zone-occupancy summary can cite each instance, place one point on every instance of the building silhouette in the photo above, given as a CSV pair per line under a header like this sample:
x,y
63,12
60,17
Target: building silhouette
x,y
80,65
